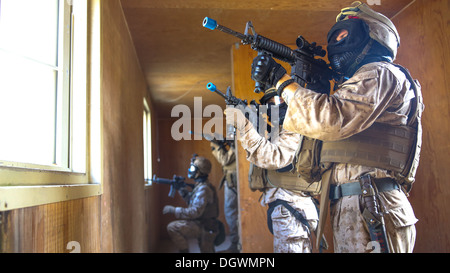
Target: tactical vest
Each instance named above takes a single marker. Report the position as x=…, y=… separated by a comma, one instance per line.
x=212, y=209
x=302, y=175
x=394, y=148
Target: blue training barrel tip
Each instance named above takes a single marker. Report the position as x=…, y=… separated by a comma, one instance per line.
x=209, y=23
x=211, y=86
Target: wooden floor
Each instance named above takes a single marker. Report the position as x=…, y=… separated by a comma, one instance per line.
x=166, y=246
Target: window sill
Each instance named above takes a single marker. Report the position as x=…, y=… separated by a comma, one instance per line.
x=15, y=197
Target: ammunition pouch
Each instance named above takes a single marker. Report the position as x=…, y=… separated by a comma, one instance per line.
x=292, y=181
x=307, y=159
x=261, y=179
x=256, y=178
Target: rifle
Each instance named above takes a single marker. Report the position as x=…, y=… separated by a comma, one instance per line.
x=216, y=139
x=306, y=69
x=176, y=183
x=229, y=98
x=253, y=112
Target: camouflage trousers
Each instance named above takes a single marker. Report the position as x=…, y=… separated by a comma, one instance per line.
x=350, y=231
x=180, y=231
x=289, y=235
x=231, y=214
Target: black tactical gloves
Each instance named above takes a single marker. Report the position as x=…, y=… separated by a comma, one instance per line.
x=266, y=70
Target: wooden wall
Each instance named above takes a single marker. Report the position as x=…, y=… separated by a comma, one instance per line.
x=425, y=51
x=123, y=90
x=255, y=236
x=124, y=217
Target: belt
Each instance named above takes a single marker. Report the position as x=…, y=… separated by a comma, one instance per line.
x=383, y=184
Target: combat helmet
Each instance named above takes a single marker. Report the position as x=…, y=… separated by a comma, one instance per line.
x=203, y=164
x=381, y=29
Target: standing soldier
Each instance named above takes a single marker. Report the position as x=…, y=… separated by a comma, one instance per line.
x=370, y=128
x=292, y=214
x=227, y=158
x=199, y=219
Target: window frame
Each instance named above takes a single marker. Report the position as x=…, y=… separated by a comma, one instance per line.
x=61, y=132
x=25, y=185
x=147, y=137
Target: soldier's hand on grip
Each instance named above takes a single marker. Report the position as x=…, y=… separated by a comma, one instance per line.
x=266, y=70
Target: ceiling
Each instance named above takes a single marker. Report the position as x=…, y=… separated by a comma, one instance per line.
x=179, y=56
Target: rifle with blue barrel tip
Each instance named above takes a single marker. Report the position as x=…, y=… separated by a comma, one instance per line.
x=229, y=98
x=176, y=183
x=307, y=70
x=251, y=110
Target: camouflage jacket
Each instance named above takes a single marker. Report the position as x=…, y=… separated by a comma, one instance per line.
x=202, y=203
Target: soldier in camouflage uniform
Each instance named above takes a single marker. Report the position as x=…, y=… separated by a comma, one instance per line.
x=373, y=96
x=227, y=158
x=199, y=219
x=290, y=235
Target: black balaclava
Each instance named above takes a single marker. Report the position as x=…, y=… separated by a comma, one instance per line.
x=343, y=54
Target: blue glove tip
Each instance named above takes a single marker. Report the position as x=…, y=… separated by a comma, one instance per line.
x=209, y=23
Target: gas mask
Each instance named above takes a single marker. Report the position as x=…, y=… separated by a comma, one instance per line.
x=346, y=54
x=192, y=171
x=199, y=168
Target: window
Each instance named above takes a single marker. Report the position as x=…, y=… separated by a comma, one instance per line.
x=147, y=127
x=34, y=54
x=44, y=96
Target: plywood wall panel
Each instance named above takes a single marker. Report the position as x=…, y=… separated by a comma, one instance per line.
x=425, y=51
x=255, y=236
x=50, y=228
